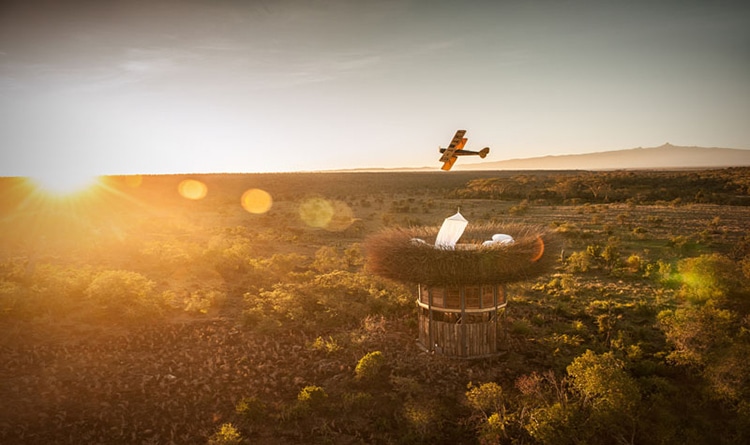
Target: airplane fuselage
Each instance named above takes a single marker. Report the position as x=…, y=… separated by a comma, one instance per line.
x=482, y=153
x=461, y=152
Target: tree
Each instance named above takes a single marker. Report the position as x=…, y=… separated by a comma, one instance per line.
x=711, y=277
x=488, y=399
x=608, y=391
x=709, y=333
x=696, y=333
x=598, y=186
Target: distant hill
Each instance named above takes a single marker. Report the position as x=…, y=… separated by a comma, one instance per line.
x=666, y=156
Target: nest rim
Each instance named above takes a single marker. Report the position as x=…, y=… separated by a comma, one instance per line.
x=393, y=254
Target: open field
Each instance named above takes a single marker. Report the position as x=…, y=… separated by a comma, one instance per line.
x=132, y=313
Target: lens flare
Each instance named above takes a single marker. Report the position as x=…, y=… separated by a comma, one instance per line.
x=256, y=201
x=316, y=212
x=343, y=216
x=334, y=216
x=192, y=189
x=539, y=250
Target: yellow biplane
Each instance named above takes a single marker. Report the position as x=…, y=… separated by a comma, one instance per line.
x=456, y=149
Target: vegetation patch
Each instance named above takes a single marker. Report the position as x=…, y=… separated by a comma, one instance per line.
x=140, y=316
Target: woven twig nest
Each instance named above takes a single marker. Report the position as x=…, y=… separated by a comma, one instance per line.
x=396, y=254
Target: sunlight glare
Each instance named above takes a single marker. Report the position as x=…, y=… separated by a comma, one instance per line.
x=192, y=189
x=256, y=201
x=134, y=181
x=64, y=182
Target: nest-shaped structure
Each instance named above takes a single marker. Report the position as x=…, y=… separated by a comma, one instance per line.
x=398, y=255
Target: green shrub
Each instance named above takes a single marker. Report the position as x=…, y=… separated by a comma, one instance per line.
x=489, y=402
x=226, y=435
x=201, y=301
x=312, y=397
x=603, y=382
x=696, y=333
x=555, y=424
x=521, y=327
x=708, y=277
x=634, y=263
x=11, y=297
x=579, y=262
x=423, y=418
x=519, y=209
x=325, y=301
x=123, y=293
x=358, y=400
x=251, y=408
x=611, y=255
x=328, y=259
x=486, y=398
x=55, y=290
x=369, y=366
x=328, y=345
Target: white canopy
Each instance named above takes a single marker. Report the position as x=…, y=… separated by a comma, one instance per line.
x=451, y=231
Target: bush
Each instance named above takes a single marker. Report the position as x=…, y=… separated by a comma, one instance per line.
x=123, y=293
x=10, y=297
x=579, y=262
x=328, y=259
x=201, y=301
x=323, y=302
x=696, y=333
x=227, y=435
x=329, y=345
x=709, y=277
x=602, y=382
x=56, y=290
x=250, y=407
x=634, y=263
x=370, y=366
x=423, y=419
x=521, y=327
x=312, y=397
x=487, y=398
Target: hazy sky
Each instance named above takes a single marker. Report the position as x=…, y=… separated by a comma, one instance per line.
x=152, y=86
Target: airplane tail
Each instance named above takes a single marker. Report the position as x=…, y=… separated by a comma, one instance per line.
x=484, y=152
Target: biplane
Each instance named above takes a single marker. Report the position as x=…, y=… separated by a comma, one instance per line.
x=456, y=149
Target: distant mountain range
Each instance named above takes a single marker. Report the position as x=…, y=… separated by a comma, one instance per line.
x=666, y=156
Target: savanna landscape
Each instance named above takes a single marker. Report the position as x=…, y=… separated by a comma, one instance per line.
x=239, y=309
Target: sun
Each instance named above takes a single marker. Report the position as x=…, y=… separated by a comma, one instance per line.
x=64, y=183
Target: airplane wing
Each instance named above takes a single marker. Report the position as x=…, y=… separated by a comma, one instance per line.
x=457, y=143
x=449, y=163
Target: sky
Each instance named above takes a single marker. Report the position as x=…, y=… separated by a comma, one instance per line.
x=155, y=87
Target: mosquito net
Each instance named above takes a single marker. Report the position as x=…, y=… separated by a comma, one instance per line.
x=451, y=231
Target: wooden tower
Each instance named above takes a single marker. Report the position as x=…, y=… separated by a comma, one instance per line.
x=460, y=321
